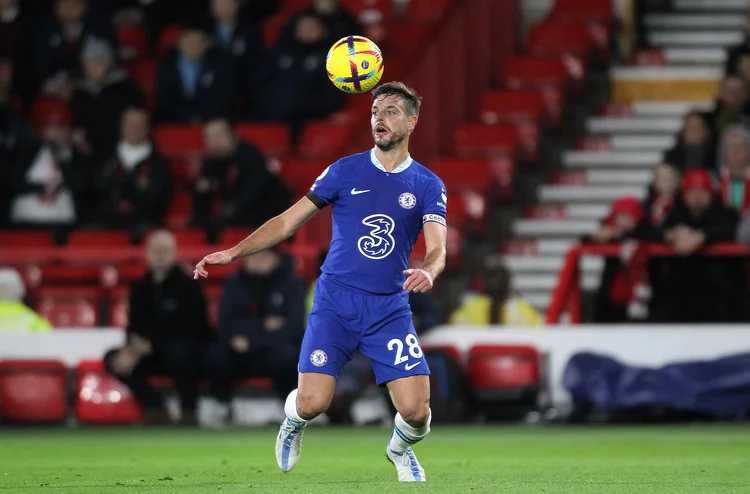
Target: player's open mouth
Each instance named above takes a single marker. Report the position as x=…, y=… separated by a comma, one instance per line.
x=380, y=130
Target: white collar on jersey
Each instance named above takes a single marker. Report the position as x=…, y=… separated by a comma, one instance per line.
x=403, y=166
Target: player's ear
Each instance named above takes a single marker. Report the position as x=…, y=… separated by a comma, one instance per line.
x=412, y=123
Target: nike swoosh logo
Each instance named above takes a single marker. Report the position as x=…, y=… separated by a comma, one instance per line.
x=356, y=192
x=411, y=366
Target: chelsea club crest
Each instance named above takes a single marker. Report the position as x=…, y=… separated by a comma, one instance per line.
x=318, y=358
x=407, y=200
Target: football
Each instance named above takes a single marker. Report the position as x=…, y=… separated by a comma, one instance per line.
x=354, y=64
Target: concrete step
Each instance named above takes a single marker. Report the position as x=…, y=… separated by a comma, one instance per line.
x=608, y=159
x=539, y=247
x=529, y=264
x=572, y=229
x=540, y=300
x=700, y=39
x=667, y=73
x=586, y=211
x=669, y=108
x=547, y=282
x=716, y=57
x=714, y=6
x=695, y=21
x=619, y=177
x=588, y=193
x=612, y=125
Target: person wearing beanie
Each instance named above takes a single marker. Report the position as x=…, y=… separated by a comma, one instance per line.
x=101, y=98
x=700, y=289
x=14, y=314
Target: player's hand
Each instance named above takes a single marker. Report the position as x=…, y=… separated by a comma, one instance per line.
x=222, y=258
x=418, y=281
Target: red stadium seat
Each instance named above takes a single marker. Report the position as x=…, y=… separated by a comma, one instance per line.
x=505, y=379
x=271, y=139
x=66, y=307
x=317, y=231
x=119, y=308
x=101, y=398
x=426, y=11
x=583, y=11
x=133, y=42
x=402, y=40
x=299, y=175
x=463, y=173
x=33, y=391
x=533, y=73
x=485, y=140
x=323, y=140
x=53, y=274
x=307, y=258
x=233, y=235
x=180, y=211
x=451, y=350
x=189, y=237
x=127, y=273
x=511, y=106
x=553, y=39
x=179, y=140
x=98, y=238
x=26, y=239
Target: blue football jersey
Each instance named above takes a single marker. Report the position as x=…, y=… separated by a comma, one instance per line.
x=377, y=218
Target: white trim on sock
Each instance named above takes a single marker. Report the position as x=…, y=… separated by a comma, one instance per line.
x=290, y=409
x=405, y=436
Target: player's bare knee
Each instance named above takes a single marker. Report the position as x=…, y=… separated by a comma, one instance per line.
x=310, y=405
x=417, y=413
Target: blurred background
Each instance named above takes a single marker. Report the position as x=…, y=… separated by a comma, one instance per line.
x=596, y=155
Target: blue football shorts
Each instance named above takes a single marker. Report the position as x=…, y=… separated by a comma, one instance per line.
x=380, y=326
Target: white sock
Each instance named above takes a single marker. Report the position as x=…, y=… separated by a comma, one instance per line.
x=405, y=436
x=290, y=409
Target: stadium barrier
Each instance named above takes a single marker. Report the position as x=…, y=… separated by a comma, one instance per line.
x=567, y=294
x=647, y=345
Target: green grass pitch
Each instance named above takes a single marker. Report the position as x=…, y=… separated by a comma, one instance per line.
x=691, y=459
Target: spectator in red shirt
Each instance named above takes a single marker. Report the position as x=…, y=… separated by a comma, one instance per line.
x=620, y=298
x=734, y=168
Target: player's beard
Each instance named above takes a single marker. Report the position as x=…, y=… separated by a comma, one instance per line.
x=390, y=143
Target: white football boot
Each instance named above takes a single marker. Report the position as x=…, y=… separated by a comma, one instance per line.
x=289, y=445
x=407, y=465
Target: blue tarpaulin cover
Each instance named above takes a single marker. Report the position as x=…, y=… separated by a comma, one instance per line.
x=720, y=387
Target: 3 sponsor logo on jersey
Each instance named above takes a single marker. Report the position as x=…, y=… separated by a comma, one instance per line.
x=407, y=200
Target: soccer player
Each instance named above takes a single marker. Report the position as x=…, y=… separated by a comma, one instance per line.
x=381, y=200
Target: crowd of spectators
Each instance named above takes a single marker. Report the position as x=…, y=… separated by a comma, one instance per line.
x=75, y=118
x=700, y=195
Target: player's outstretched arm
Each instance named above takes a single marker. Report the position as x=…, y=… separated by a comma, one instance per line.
x=273, y=232
x=422, y=280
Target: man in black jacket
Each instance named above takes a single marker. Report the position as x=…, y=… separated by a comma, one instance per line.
x=193, y=82
x=700, y=289
x=134, y=181
x=234, y=186
x=261, y=323
x=167, y=329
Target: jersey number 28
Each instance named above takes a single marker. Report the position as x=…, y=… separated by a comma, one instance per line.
x=413, y=345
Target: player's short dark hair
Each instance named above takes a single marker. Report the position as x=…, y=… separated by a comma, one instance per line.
x=412, y=101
